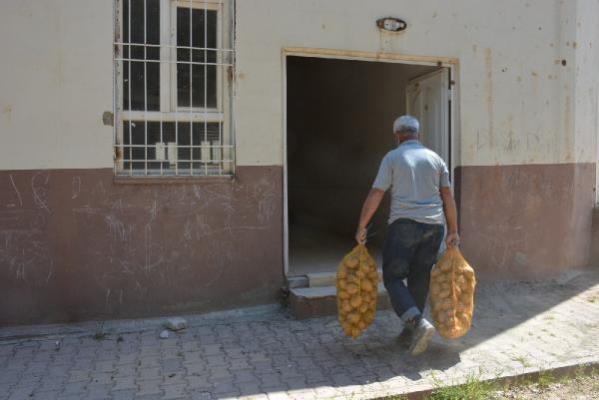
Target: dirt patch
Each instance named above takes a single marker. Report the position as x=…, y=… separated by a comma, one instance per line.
x=579, y=388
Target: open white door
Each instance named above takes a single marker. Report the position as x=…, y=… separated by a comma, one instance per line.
x=427, y=98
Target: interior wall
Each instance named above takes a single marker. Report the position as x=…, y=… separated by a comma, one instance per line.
x=340, y=117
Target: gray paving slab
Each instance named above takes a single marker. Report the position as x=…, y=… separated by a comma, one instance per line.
x=518, y=328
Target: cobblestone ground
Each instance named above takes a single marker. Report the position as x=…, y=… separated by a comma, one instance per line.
x=518, y=328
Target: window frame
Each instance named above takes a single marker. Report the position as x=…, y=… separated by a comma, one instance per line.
x=174, y=98
x=169, y=111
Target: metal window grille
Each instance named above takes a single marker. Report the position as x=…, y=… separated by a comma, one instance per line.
x=173, y=66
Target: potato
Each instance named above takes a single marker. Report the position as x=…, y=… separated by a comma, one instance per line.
x=352, y=288
x=352, y=262
x=341, y=272
x=354, y=279
x=346, y=306
x=367, y=286
x=468, y=290
x=356, y=301
x=353, y=318
x=463, y=317
x=463, y=307
x=446, y=304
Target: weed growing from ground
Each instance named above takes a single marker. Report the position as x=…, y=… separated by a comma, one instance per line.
x=545, y=379
x=473, y=389
x=522, y=360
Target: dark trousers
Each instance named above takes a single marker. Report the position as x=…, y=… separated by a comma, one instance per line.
x=410, y=251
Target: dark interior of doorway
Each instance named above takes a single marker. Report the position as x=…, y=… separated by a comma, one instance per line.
x=339, y=126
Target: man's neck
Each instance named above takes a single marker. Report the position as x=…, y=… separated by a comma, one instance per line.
x=407, y=139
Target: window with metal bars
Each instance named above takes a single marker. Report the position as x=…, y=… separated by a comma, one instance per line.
x=173, y=67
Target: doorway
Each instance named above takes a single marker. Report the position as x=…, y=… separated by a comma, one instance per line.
x=339, y=121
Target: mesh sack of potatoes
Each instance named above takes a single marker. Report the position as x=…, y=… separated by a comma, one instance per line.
x=357, y=291
x=452, y=294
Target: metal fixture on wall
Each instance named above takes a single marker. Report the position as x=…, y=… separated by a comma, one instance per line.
x=391, y=24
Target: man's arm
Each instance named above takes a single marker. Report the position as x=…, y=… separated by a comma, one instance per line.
x=451, y=215
x=371, y=204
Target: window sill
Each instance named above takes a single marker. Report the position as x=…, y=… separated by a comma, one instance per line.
x=171, y=180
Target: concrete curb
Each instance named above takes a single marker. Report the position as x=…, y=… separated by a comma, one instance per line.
x=530, y=375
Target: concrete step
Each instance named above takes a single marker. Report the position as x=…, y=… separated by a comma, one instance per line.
x=319, y=301
x=320, y=279
x=297, y=281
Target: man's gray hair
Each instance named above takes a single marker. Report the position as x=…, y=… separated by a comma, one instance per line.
x=407, y=125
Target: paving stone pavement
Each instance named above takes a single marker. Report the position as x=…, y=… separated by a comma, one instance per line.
x=518, y=327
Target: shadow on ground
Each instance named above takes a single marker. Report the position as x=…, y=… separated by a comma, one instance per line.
x=325, y=358
x=514, y=323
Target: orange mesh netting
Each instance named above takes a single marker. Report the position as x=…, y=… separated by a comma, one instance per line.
x=452, y=294
x=357, y=291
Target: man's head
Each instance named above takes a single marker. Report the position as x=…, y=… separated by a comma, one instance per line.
x=406, y=127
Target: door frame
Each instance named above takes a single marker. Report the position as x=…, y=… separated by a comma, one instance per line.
x=452, y=64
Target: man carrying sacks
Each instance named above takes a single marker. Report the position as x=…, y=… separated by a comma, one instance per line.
x=421, y=202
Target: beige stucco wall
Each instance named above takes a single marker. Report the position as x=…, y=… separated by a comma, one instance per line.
x=55, y=83
x=518, y=103
x=517, y=100
x=585, y=52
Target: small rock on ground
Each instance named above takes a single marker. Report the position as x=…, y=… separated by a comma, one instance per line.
x=175, y=324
